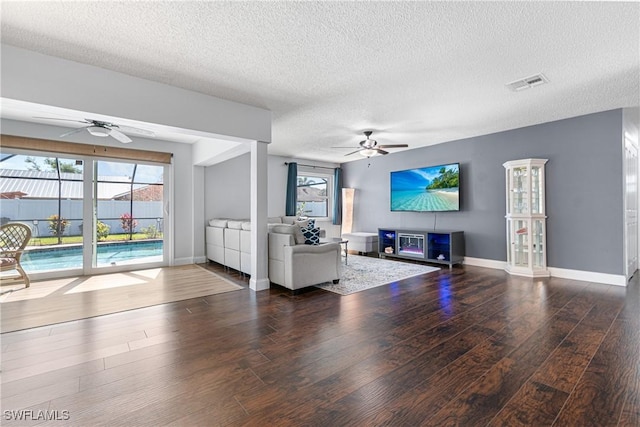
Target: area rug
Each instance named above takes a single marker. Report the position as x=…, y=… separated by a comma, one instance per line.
x=61, y=300
x=364, y=273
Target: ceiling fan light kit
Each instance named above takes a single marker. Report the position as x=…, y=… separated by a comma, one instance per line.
x=370, y=148
x=368, y=152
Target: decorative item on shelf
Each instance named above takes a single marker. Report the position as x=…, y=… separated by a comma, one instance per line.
x=440, y=257
x=300, y=212
x=388, y=250
x=522, y=230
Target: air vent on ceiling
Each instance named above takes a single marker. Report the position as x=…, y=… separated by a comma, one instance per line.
x=527, y=82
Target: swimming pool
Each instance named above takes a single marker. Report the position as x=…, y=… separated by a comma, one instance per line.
x=58, y=258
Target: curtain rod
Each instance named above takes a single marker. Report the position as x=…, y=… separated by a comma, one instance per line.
x=310, y=166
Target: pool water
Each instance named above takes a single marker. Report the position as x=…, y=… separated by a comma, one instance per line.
x=47, y=259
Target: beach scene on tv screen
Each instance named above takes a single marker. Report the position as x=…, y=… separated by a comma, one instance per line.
x=426, y=189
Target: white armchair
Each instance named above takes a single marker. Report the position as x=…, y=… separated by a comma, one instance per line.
x=296, y=266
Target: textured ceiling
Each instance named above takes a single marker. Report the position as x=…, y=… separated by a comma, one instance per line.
x=418, y=73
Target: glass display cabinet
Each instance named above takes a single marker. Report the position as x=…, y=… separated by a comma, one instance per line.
x=526, y=218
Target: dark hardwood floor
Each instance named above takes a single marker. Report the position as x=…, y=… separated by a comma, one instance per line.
x=467, y=347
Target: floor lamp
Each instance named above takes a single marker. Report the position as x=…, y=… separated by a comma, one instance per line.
x=347, y=209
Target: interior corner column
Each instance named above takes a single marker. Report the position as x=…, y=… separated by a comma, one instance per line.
x=259, y=199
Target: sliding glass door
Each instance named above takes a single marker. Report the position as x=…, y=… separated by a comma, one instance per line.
x=129, y=207
x=86, y=214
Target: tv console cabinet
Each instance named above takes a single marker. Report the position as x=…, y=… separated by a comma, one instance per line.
x=435, y=246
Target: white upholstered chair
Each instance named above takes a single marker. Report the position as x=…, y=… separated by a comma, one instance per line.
x=295, y=265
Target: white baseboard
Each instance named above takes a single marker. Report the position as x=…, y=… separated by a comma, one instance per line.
x=200, y=259
x=589, y=276
x=183, y=261
x=563, y=273
x=488, y=263
x=259, y=285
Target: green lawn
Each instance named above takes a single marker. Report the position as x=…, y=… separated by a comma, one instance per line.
x=51, y=240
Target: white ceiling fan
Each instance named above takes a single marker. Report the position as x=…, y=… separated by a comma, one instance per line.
x=104, y=129
x=369, y=147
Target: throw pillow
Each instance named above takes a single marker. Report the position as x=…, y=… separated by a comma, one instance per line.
x=283, y=229
x=306, y=223
x=311, y=236
x=293, y=230
x=299, y=234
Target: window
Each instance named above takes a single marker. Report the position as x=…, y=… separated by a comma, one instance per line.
x=44, y=192
x=314, y=194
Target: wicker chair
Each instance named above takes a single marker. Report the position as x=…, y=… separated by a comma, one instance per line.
x=13, y=239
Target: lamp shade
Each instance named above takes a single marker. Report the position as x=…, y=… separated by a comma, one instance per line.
x=347, y=209
x=368, y=152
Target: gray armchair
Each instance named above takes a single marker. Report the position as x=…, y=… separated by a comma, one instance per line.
x=296, y=266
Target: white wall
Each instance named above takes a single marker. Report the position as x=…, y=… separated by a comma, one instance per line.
x=630, y=132
x=227, y=187
x=42, y=79
x=228, y=184
x=198, y=215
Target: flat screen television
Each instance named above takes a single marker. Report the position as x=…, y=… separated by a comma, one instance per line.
x=428, y=189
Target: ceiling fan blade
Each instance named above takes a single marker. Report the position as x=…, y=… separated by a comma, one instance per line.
x=353, y=152
x=120, y=136
x=63, y=120
x=138, y=131
x=382, y=151
x=393, y=146
x=71, y=132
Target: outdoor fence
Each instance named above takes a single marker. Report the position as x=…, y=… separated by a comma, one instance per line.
x=35, y=213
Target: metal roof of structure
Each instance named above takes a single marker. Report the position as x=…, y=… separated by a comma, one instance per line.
x=44, y=185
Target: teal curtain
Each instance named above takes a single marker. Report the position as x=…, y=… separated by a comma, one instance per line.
x=292, y=189
x=337, y=196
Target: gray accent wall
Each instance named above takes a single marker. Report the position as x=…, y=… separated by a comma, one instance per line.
x=583, y=185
